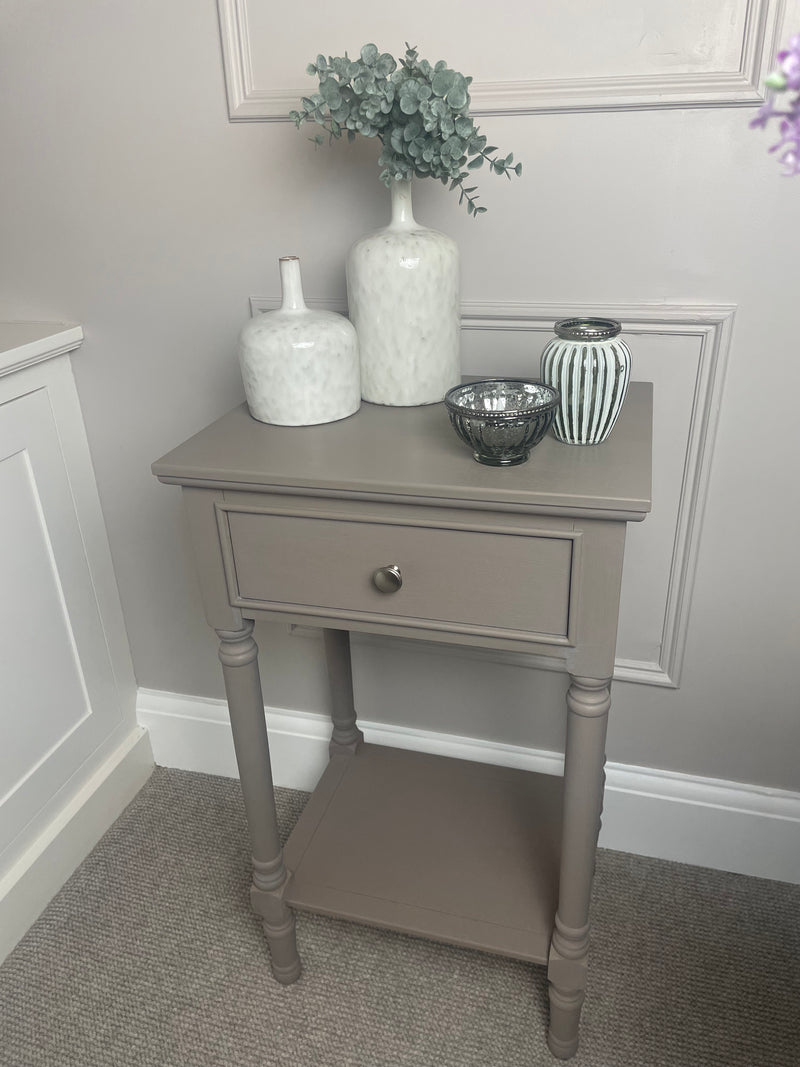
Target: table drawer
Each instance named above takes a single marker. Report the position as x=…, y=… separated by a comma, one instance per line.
x=481, y=578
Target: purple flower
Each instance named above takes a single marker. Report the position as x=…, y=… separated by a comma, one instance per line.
x=763, y=115
x=790, y=63
x=790, y=142
x=787, y=78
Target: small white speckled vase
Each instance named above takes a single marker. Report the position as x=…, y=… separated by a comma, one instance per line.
x=402, y=288
x=299, y=366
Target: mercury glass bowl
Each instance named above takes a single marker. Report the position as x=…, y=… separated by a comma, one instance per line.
x=501, y=419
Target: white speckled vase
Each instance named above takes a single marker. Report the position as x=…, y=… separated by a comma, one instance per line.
x=299, y=366
x=590, y=366
x=402, y=288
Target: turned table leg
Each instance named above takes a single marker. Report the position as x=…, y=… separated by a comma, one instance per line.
x=346, y=736
x=238, y=654
x=588, y=701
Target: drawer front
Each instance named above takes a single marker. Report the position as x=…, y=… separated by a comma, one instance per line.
x=480, y=579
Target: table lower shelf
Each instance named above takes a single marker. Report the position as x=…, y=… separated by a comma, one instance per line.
x=441, y=848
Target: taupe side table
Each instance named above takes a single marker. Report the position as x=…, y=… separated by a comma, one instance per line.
x=384, y=523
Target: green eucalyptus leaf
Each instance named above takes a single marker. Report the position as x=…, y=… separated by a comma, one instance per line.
x=442, y=82
x=408, y=104
x=476, y=163
x=329, y=91
x=412, y=129
x=457, y=97
x=369, y=53
x=464, y=127
x=385, y=65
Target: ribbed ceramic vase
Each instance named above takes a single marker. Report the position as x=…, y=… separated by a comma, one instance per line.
x=403, y=295
x=299, y=366
x=590, y=366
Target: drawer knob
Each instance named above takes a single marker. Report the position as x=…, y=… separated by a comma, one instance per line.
x=388, y=579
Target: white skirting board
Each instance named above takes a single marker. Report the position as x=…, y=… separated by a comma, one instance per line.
x=31, y=882
x=706, y=822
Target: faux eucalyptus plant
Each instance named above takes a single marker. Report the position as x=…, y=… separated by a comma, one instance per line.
x=419, y=112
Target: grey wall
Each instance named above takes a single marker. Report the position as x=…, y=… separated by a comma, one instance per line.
x=131, y=204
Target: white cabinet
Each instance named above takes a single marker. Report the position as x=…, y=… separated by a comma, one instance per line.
x=71, y=754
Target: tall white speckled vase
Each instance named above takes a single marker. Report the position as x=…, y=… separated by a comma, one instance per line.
x=299, y=366
x=403, y=295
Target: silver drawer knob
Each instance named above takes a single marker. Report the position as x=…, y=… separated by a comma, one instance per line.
x=388, y=579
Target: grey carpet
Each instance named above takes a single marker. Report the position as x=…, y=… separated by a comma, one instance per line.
x=150, y=957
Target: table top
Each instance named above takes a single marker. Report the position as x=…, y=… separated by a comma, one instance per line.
x=414, y=452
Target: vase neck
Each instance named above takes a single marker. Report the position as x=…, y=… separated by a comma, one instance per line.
x=291, y=284
x=402, y=214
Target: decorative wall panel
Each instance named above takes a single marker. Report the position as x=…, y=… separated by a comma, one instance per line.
x=529, y=58
x=66, y=682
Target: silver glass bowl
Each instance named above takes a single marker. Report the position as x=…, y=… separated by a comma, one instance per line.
x=501, y=419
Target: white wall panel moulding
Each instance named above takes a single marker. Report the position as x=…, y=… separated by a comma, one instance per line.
x=23, y=344
x=692, y=53
x=69, y=748
x=707, y=822
x=683, y=350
